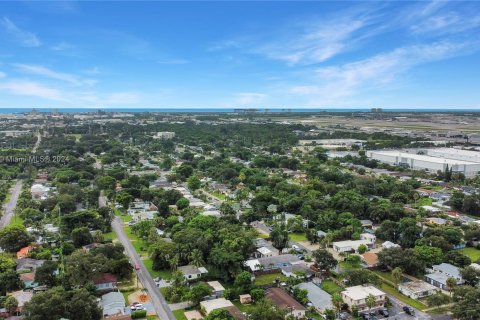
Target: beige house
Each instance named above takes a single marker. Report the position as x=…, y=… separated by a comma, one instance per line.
x=357, y=296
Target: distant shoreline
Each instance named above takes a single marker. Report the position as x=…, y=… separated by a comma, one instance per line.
x=228, y=110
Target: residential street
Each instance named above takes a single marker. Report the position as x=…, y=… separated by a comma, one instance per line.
x=11, y=205
x=158, y=301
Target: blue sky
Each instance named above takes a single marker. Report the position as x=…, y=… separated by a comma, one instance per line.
x=225, y=54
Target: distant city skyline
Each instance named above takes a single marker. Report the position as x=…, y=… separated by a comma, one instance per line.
x=275, y=55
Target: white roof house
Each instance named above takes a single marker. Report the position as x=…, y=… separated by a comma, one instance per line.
x=389, y=244
x=113, y=303
x=350, y=245
x=210, y=305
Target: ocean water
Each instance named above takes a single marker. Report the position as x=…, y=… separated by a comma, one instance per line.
x=221, y=110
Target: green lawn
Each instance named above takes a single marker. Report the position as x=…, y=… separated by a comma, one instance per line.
x=297, y=237
x=265, y=279
x=110, y=236
x=348, y=265
x=164, y=274
x=242, y=307
x=472, y=253
x=313, y=315
x=179, y=314
x=139, y=244
x=331, y=287
x=126, y=217
x=414, y=303
x=219, y=195
x=385, y=275
x=424, y=202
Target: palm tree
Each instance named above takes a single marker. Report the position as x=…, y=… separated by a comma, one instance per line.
x=451, y=283
x=174, y=261
x=370, y=301
x=337, y=302
x=196, y=258
x=397, y=276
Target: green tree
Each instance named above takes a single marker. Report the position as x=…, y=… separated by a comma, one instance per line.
x=81, y=237
x=466, y=306
x=257, y=294
x=56, y=303
x=11, y=304
x=199, y=292
x=397, y=276
x=182, y=203
x=265, y=310
x=193, y=183
x=337, y=302
x=362, y=249
x=219, y=314
x=9, y=281
x=45, y=274
x=301, y=295
x=196, y=258
x=124, y=199
x=430, y=255
x=243, y=281
x=370, y=301
x=324, y=259
x=451, y=284
x=470, y=275
x=106, y=183
x=14, y=237
x=438, y=299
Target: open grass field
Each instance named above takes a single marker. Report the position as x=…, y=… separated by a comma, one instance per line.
x=472, y=253
x=179, y=314
x=164, y=274
x=331, y=287
x=297, y=237
x=269, y=279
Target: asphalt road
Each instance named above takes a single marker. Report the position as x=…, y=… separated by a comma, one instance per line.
x=158, y=301
x=11, y=205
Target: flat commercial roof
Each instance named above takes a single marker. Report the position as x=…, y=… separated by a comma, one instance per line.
x=422, y=157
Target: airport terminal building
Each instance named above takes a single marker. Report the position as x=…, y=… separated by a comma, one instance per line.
x=432, y=160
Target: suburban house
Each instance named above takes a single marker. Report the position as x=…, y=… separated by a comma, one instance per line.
x=22, y=298
x=272, y=263
x=191, y=272
x=389, y=244
x=113, y=306
x=264, y=252
x=356, y=296
x=193, y=315
x=283, y=300
x=217, y=288
x=300, y=270
x=28, y=280
x=350, y=245
x=417, y=289
x=28, y=264
x=320, y=299
x=23, y=253
x=106, y=282
x=245, y=298
x=208, y=306
x=371, y=238
x=370, y=259
x=441, y=273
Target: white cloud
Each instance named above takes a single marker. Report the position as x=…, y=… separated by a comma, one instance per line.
x=122, y=98
x=333, y=84
x=49, y=73
x=249, y=98
x=173, y=61
x=62, y=46
x=34, y=89
x=25, y=38
x=320, y=42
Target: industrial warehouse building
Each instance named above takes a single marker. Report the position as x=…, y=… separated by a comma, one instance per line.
x=437, y=159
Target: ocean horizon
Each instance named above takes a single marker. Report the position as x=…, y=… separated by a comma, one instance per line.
x=228, y=110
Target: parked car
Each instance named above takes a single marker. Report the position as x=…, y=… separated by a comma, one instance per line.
x=137, y=267
x=344, y=316
x=384, y=312
x=409, y=310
